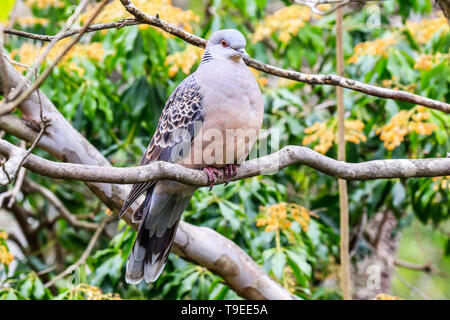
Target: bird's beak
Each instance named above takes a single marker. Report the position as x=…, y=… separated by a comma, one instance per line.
x=243, y=53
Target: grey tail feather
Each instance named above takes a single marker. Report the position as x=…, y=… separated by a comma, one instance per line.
x=152, y=245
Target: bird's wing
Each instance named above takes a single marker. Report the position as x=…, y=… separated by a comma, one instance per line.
x=180, y=120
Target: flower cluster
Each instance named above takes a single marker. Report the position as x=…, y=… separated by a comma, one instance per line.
x=28, y=53
x=422, y=31
x=285, y=21
x=3, y=235
x=377, y=47
x=395, y=84
x=324, y=134
x=164, y=8
x=441, y=183
x=92, y=293
x=403, y=123
x=43, y=4
x=31, y=21
x=279, y=217
x=427, y=61
x=183, y=60
x=5, y=256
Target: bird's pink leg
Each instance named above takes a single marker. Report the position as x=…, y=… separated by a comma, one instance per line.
x=230, y=170
x=211, y=172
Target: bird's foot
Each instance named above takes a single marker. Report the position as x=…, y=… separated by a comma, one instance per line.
x=230, y=170
x=211, y=172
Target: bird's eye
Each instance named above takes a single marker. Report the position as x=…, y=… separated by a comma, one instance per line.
x=224, y=43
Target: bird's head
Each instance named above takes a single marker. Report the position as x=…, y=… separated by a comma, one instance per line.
x=227, y=44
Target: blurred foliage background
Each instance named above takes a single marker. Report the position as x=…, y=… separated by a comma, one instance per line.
x=113, y=85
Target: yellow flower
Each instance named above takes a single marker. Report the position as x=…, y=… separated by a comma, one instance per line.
x=427, y=61
x=6, y=257
x=286, y=22
x=164, y=8
x=372, y=48
x=384, y=296
x=43, y=4
x=422, y=31
x=259, y=78
x=93, y=293
x=279, y=217
x=31, y=21
x=442, y=183
x=28, y=53
x=403, y=123
x=183, y=60
x=324, y=134
x=3, y=235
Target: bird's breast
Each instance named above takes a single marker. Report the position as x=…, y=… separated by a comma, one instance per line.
x=232, y=119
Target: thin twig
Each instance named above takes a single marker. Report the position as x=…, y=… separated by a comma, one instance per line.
x=14, y=62
x=83, y=257
x=32, y=187
x=93, y=28
x=313, y=6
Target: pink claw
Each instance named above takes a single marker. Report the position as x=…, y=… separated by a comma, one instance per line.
x=230, y=170
x=211, y=172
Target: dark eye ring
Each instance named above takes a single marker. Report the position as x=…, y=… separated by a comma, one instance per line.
x=224, y=43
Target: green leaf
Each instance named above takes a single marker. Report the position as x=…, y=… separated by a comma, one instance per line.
x=39, y=289
x=398, y=195
x=11, y=295
x=25, y=288
x=300, y=260
x=277, y=264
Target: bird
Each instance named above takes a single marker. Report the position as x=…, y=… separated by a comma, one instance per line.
x=210, y=122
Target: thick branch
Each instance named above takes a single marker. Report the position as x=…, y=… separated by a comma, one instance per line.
x=376, y=169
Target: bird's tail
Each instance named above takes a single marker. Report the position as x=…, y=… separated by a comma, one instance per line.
x=161, y=214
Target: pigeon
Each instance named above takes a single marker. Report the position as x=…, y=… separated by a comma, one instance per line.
x=210, y=122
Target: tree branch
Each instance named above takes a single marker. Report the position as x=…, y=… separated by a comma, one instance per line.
x=375, y=169
x=32, y=187
x=92, y=28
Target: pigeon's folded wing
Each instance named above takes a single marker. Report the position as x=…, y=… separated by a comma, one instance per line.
x=180, y=120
